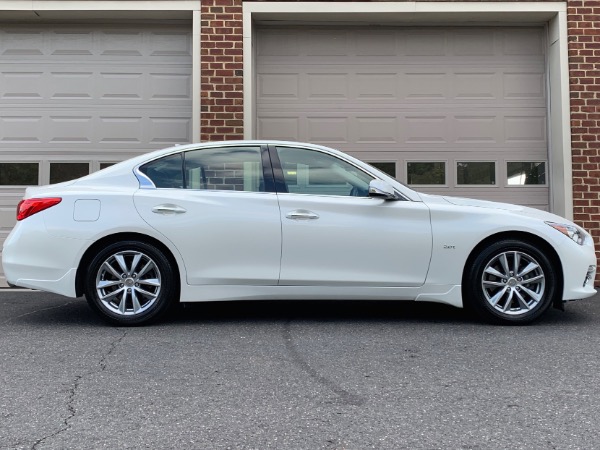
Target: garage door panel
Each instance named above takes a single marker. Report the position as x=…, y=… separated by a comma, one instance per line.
x=486, y=129
x=458, y=85
x=279, y=128
x=143, y=85
x=375, y=43
x=414, y=45
x=523, y=42
x=93, y=128
x=105, y=41
x=468, y=98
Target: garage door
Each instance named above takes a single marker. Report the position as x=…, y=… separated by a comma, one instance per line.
x=75, y=98
x=455, y=111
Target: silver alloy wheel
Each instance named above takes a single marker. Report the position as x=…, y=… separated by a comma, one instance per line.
x=128, y=283
x=513, y=283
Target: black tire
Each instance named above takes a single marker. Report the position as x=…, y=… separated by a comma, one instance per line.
x=130, y=283
x=510, y=282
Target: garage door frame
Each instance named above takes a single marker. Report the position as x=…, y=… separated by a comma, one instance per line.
x=551, y=14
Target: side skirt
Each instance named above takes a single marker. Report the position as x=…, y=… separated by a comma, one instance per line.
x=447, y=294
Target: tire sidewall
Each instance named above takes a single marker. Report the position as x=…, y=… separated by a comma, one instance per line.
x=164, y=300
x=475, y=297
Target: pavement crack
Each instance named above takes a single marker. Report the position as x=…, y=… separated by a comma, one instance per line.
x=72, y=391
x=111, y=349
x=297, y=358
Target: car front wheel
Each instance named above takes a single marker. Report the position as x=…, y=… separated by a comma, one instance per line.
x=130, y=283
x=510, y=282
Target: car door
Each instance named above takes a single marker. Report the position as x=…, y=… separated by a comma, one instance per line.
x=333, y=233
x=217, y=206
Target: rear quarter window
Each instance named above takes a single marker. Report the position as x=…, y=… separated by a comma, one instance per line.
x=165, y=172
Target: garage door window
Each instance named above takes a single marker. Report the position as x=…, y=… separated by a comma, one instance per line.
x=428, y=173
x=521, y=173
x=19, y=174
x=60, y=172
x=386, y=167
x=476, y=173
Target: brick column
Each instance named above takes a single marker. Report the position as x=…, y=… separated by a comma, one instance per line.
x=583, y=18
x=222, y=76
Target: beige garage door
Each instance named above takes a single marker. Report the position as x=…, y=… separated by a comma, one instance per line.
x=74, y=98
x=455, y=111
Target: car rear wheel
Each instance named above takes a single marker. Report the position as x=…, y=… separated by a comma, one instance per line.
x=130, y=283
x=511, y=282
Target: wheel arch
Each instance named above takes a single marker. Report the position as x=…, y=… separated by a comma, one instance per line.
x=118, y=237
x=532, y=239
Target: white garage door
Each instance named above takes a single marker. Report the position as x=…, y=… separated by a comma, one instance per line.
x=456, y=111
x=74, y=98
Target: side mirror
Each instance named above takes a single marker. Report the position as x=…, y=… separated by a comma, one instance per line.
x=379, y=188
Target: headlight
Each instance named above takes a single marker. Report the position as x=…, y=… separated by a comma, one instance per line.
x=574, y=233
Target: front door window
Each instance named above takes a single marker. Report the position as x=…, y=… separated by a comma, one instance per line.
x=312, y=172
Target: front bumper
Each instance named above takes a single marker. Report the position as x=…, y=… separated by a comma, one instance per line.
x=579, y=269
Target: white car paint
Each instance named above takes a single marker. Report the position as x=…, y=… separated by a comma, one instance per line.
x=209, y=237
x=344, y=247
x=242, y=245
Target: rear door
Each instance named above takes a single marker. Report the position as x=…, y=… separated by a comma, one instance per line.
x=218, y=207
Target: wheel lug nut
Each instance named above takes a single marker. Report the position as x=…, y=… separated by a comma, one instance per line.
x=121, y=285
x=504, y=280
x=137, y=284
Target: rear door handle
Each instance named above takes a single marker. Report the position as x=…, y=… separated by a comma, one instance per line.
x=168, y=208
x=302, y=214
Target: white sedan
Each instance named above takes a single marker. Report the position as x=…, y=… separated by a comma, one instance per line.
x=284, y=220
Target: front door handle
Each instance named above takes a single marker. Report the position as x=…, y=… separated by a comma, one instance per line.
x=168, y=208
x=302, y=214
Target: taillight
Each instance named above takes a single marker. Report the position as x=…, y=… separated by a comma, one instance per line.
x=31, y=206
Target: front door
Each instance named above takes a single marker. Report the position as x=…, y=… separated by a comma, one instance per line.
x=333, y=233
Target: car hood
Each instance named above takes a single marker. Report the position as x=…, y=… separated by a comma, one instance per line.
x=509, y=208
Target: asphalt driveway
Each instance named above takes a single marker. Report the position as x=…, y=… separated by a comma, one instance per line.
x=296, y=375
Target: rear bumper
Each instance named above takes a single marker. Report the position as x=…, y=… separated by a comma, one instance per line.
x=32, y=258
x=65, y=285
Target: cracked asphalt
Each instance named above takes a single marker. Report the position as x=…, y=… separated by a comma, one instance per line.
x=296, y=375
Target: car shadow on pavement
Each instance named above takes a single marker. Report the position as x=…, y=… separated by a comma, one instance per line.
x=48, y=309
x=348, y=311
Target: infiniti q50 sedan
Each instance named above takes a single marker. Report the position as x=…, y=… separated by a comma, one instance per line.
x=283, y=220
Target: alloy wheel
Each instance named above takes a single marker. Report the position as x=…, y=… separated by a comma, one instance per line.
x=128, y=283
x=513, y=283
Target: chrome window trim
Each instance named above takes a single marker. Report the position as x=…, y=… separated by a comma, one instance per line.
x=145, y=182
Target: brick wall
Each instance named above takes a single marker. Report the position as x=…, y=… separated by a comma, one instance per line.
x=583, y=18
x=222, y=95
